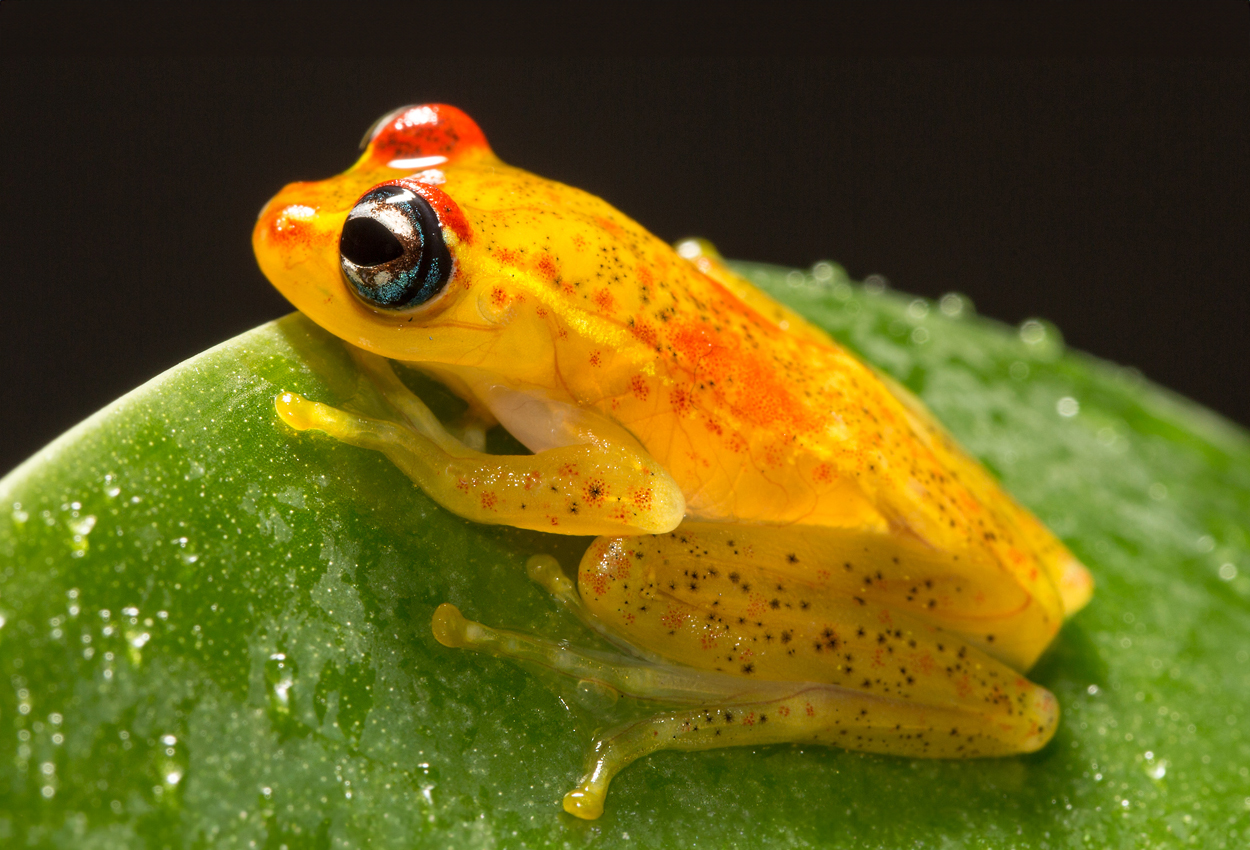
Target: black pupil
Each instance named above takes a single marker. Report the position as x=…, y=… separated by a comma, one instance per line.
x=367, y=242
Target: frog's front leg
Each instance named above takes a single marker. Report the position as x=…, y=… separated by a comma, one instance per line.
x=586, y=488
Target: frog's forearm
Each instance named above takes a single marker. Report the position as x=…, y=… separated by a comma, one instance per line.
x=580, y=489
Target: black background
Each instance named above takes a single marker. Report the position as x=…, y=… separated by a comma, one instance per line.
x=1088, y=167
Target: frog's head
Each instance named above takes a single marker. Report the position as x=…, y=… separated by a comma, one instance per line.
x=429, y=247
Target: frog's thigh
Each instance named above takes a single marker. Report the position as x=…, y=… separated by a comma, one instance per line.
x=577, y=489
x=671, y=596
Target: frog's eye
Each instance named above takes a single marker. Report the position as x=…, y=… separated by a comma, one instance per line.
x=392, y=249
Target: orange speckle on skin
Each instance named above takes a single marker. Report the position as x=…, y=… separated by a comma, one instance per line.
x=568, y=470
x=884, y=616
x=811, y=712
x=541, y=312
x=645, y=332
x=489, y=500
x=749, y=720
x=499, y=297
x=823, y=474
x=784, y=710
x=681, y=401
x=547, y=267
x=641, y=498
x=638, y=386
x=507, y=256
x=674, y=617
x=532, y=479
x=595, y=359
x=595, y=492
x=604, y=300
x=463, y=485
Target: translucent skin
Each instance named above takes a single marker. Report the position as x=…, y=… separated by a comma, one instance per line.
x=777, y=518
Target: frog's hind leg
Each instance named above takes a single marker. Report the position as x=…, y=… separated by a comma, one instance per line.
x=720, y=710
x=795, y=712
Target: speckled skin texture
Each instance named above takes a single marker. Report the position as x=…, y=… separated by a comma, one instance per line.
x=793, y=533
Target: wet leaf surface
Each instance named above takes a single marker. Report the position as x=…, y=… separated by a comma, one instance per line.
x=215, y=632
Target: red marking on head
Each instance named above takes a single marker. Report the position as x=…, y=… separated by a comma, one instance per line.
x=604, y=300
x=290, y=227
x=447, y=210
x=639, y=387
x=434, y=129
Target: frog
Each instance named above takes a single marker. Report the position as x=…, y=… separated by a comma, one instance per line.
x=788, y=547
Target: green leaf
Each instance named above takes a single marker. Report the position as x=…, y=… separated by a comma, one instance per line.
x=216, y=632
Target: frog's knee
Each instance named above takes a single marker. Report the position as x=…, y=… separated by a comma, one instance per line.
x=1043, y=715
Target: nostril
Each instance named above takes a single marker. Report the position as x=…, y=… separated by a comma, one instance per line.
x=367, y=242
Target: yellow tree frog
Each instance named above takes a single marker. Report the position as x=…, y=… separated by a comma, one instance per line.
x=789, y=548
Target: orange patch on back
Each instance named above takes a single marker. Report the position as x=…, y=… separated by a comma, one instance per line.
x=753, y=388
